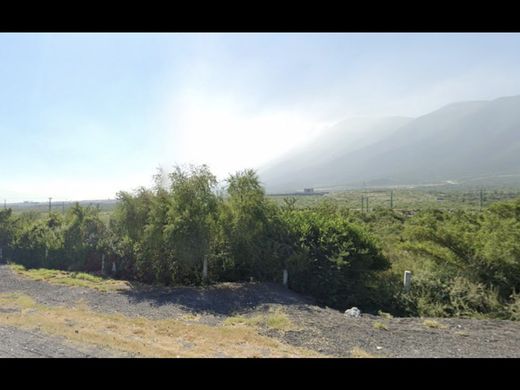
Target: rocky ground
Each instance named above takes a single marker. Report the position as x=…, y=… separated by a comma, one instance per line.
x=320, y=329
x=17, y=343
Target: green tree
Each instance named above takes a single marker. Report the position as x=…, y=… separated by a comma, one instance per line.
x=334, y=260
x=247, y=224
x=6, y=231
x=191, y=217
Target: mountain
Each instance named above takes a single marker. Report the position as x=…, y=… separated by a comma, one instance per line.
x=301, y=167
x=458, y=142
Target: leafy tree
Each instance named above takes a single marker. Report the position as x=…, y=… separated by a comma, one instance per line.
x=191, y=218
x=247, y=222
x=6, y=230
x=131, y=214
x=39, y=244
x=153, y=262
x=334, y=260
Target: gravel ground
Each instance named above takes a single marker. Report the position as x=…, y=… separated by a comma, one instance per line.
x=328, y=331
x=17, y=343
x=322, y=329
x=215, y=303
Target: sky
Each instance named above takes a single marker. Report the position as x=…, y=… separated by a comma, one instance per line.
x=83, y=116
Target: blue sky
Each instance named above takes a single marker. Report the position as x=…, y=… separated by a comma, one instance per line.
x=85, y=115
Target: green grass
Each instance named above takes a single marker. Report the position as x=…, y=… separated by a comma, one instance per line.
x=74, y=279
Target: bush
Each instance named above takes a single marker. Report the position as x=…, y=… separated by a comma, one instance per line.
x=334, y=260
x=466, y=263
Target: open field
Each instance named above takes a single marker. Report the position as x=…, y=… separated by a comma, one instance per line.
x=438, y=197
x=411, y=198
x=226, y=320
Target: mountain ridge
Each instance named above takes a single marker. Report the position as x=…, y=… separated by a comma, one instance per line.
x=459, y=140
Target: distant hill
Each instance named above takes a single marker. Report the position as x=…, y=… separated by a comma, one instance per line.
x=302, y=167
x=459, y=142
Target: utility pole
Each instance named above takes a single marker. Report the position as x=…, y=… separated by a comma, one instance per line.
x=364, y=203
x=366, y=194
x=391, y=200
x=50, y=205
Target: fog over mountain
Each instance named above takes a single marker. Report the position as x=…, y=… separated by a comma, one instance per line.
x=457, y=142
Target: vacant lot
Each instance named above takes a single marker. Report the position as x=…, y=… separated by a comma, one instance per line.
x=49, y=318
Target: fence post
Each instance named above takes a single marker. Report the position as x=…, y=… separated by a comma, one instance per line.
x=407, y=282
x=103, y=263
x=205, y=268
x=285, y=277
x=113, y=267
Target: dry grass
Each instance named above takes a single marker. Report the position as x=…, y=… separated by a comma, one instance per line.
x=75, y=279
x=379, y=325
x=191, y=317
x=275, y=319
x=361, y=353
x=434, y=324
x=384, y=315
x=141, y=336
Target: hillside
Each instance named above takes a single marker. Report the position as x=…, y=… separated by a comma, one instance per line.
x=458, y=142
x=291, y=171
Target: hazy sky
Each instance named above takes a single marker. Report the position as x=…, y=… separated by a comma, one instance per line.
x=85, y=115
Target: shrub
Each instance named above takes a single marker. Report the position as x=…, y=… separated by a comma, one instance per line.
x=333, y=260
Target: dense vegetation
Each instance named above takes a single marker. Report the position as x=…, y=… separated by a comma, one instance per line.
x=182, y=231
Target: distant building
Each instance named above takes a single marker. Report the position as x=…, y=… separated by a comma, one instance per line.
x=306, y=191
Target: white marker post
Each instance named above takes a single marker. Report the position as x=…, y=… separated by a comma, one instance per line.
x=113, y=267
x=205, y=269
x=285, y=277
x=46, y=253
x=407, y=282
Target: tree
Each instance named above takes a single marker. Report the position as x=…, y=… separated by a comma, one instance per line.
x=6, y=231
x=190, y=221
x=333, y=260
x=247, y=208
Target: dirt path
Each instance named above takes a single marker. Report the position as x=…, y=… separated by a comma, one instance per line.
x=324, y=330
